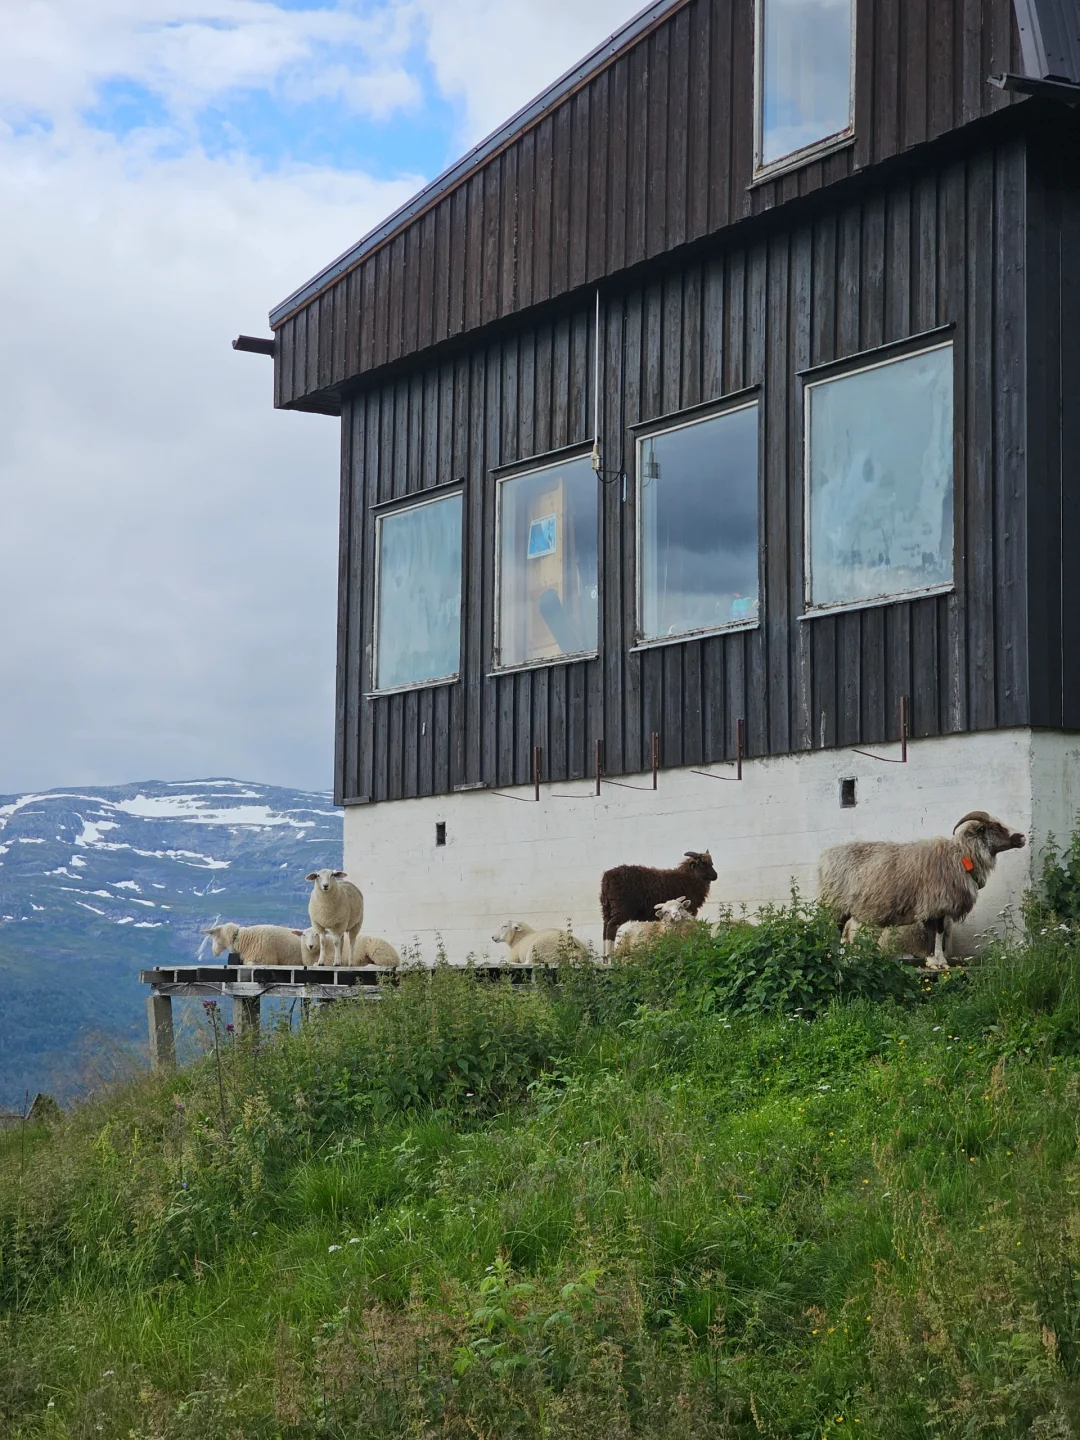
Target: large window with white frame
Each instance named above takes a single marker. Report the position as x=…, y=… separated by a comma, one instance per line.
x=804, y=78
x=546, y=605
x=698, y=550
x=879, y=481
x=418, y=594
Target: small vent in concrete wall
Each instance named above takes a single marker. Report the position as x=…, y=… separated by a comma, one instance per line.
x=847, y=794
x=440, y=832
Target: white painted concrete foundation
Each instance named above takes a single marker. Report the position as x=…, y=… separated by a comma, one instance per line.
x=542, y=862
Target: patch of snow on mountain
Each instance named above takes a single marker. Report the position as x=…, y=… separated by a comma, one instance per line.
x=78, y=862
x=194, y=809
x=89, y=907
x=92, y=829
x=29, y=840
x=126, y=885
x=149, y=924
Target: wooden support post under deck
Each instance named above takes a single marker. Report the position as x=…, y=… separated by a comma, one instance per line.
x=246, y=1014
x=159, y=1018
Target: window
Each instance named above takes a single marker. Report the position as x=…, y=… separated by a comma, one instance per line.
x=698, y=525
x=418, y=586
x=804, y=76
x=879, y=481
x=546, y=606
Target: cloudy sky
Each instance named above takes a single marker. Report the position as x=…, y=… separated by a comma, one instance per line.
x=169, y=171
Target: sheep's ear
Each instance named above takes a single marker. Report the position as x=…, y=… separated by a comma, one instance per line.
x=210, y=932
x=340, y=874
x=313, y=876
x=298, y=932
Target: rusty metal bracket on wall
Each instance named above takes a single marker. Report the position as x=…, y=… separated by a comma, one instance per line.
x=739, y=752
x=905, y=730
x=525, y=800
x=625, y=785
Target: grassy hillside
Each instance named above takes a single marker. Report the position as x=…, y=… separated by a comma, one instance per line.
x=746, y=1186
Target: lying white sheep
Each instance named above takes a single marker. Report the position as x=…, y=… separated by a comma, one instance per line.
x=670, y=915
x=257, y=944
x=366, y=950
x=539, y=947
x=336, y=909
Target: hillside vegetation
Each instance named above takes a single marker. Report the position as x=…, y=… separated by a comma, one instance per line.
x=747, y=1185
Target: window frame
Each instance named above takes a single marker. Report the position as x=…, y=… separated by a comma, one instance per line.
x=940, y=338
x=387, y=509
x=750, y=395
x=795, y=159
x=533, y=465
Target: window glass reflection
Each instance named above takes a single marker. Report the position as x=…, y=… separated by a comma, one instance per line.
x=698, y=499
x=805, y=74
x=547, y=602
x=880, y=459
x=419, y=600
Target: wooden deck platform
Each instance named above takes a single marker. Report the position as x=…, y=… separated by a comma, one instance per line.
x=246, y=985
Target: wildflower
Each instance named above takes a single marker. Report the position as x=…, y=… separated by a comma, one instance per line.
x=51, y=1405
x=355, y=1240
x=333, y=1248
x=183, y=1184
x=228, y=1029
x=106, y=1373
x=179, y=1104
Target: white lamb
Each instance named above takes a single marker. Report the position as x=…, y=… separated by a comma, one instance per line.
x=336, y=909
x=670, y=915
x=257, y=944
x=539, y=947
x=366, y=950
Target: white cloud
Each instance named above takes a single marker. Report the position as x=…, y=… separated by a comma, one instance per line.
x=167, y=541
x=495, y=55
x=56, y=54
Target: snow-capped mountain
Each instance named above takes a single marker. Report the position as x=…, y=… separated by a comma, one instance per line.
x=99, y=883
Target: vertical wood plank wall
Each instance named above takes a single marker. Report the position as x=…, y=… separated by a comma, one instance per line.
x=943, y=246
x=654, y=151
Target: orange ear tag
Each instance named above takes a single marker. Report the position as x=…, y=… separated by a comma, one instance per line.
x=967, y=862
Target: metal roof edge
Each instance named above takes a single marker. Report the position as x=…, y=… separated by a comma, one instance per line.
x=594, y=61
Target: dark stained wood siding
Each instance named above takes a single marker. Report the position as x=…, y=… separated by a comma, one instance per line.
x=654, y=151
x=1052, y=346
x=944, y=246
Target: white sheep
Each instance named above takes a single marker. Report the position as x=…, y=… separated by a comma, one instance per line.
x=366, y=950
x=336, y=909
x=538, y=947
x=670, y=915
x=257, y=944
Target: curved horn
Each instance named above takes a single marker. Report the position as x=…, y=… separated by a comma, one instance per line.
x=692, y=854
x=971, y=815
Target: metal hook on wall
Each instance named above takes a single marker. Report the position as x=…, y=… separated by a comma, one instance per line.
x=739, y=752
x=905, y=730
x=525, y=800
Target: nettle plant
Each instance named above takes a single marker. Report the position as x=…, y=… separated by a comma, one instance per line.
x=1058, y=898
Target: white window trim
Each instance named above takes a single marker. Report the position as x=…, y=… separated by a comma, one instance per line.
x=794, y=159
x=386, y=514
x=716, y=411
x=889, y=597
x=519, y=472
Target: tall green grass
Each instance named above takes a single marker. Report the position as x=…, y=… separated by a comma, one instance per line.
x=746, y=1184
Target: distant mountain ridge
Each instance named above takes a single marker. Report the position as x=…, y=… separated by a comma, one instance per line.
x=99, y=882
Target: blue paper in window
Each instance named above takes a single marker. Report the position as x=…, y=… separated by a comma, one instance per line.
x=542, y=537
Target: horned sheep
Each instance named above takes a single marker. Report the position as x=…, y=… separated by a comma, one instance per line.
x=932, y=883
x=257, y=944
x=336, y=909
x=544, y=947
x=632, y=892
x=366, y=950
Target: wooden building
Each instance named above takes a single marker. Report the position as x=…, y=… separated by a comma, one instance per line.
x=715, y=417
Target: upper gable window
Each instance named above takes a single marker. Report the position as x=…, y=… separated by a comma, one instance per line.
x=805, y=77
x=418, y=594
x=546, y=603
x=879, y=482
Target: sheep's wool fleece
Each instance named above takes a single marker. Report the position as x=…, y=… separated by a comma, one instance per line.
x=884, y=882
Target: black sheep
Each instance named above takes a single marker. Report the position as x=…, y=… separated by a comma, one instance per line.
x=630, y=892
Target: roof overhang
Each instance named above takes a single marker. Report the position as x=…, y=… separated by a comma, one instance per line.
x=528, y=116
